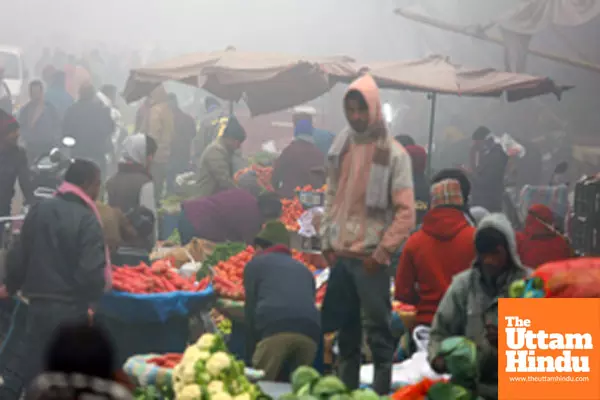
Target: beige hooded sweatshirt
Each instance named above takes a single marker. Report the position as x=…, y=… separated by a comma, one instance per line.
x=348, y=227
x=159, y=124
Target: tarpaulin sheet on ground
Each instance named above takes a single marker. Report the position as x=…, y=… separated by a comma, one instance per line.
x=268, y=82
x=155, y=307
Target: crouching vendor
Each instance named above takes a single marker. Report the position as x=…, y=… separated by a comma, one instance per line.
x=282, y=321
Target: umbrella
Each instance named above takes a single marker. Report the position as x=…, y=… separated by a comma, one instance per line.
x=268, y=82
x=437, y=75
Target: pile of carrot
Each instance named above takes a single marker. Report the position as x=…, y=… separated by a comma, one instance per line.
x=158, y=278
x=169, y=360
x=263, y=174
x=228, y=280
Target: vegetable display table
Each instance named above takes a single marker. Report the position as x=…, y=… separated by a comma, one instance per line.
x=150, y=323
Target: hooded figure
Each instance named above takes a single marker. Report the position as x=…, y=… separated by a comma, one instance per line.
x=132, y=188
x=296, y=165
x=540, y=243
x=369, y=212
x=160, y=126
x=463, y=309
x=433, y=255
x=418, y=157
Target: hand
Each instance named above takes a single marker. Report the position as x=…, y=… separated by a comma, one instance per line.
x=371, y=265
x=491, y=334
x=438, y=364
x=330, y=257
x=3, y=292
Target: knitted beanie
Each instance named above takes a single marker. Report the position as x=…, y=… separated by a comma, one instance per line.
x=234, y=130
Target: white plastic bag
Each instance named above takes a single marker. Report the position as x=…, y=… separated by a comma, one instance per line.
x=410, y=371
x=305, y=221
x=511, y=147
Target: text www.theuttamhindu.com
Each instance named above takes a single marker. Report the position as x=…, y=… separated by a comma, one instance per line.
x=548, y=379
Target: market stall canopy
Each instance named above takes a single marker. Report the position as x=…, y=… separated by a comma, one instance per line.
x=268, y=82
x=436, y=74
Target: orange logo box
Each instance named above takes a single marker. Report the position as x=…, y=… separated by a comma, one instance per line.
x=549, y=349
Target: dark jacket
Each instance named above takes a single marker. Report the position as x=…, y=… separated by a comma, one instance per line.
x=488, y=177
x=5, y=98
x=185, y=132
x=43, y=133
x=60, y=253
x=280, y=297
x=296, y=167
x=13, y=165
x=422, y=195
x=90, y=124
x=232, y=215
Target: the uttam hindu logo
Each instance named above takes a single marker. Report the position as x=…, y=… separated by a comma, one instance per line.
x=549, y=349
x=525, y=344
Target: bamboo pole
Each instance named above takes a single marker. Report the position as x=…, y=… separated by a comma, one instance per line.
x=481, y=35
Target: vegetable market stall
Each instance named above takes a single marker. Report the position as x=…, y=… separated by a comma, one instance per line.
x=149, y=308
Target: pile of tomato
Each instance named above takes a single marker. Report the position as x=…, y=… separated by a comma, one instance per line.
x=228, y=280
x=291, y=211
x=160, y=277
x=264, y=175
x=169, y=360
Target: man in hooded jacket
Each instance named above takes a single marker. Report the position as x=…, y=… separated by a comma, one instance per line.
x=442, y=248
x=369, y=212
x=463, y=309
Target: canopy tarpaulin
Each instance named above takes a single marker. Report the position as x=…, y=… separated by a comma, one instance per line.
x=268, y=82
x=436, y=74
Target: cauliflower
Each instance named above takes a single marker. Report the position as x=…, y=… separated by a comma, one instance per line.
x=191, y=355
x=215, y=387
x=243, y=396
x=206, y=341
x=220, y=396
x=217, y=363
x=189, y=373
x=190, y=392
x=203, y=355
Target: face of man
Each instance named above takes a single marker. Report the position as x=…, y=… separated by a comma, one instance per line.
x=232, y=144
x=357, y=115
x=12, y=139
x=494, y=263
x=36, y=93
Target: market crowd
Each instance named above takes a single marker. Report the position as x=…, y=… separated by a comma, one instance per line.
x=443, y=241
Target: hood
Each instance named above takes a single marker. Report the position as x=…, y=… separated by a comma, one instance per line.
x=478, y=213
x=418, y=156
x=444, y=223
x=536, y=216
x=502, y=224
x=134, y=149
x=159, y=95
x=368, y=88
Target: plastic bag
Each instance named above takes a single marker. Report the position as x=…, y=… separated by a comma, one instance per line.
x=511, y=147
x=574, y=278
x=416, y=391
x=307, y=229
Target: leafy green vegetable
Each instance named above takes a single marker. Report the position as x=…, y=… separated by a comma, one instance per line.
x=449, y=391
x=460, y=355
x=302, y=376
x=329, y=386
x=364, y=394
x=222, y=252
x=174, y=238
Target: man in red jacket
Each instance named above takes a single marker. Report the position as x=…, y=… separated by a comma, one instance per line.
x=442, y=248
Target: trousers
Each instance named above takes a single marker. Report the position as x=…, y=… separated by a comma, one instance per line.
x=290, y=350
x=371, y=292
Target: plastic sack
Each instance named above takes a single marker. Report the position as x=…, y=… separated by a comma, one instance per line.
x=412, y=370
x=573, y=278
x=416, y=391
x=511, y=147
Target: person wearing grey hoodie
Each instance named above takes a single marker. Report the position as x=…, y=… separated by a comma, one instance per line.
x=472, y=293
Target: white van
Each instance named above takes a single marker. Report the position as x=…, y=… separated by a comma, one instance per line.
x=15, y=75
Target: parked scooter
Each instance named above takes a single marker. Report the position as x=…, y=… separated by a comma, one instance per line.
x=49, y=170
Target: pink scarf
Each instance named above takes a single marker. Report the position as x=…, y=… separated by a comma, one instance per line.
x=67, y=187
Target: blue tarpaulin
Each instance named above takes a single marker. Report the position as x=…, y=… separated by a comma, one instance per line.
x=155, y=307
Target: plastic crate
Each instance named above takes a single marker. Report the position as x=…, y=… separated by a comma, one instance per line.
x=585, y=236
x=587, y=199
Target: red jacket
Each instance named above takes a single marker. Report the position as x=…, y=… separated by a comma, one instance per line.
x=442, y=248
x=537, y=244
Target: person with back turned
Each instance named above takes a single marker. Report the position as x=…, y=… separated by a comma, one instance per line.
x=61, y=265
